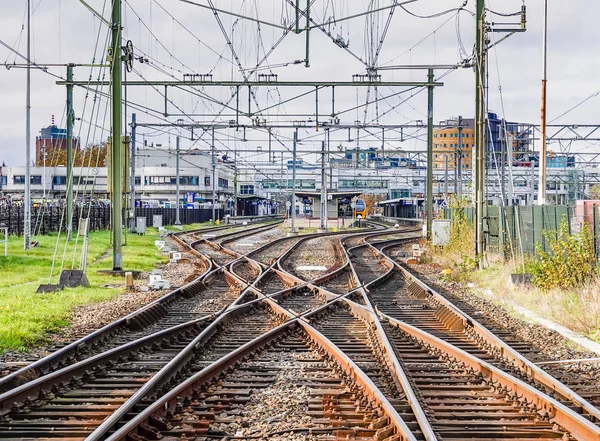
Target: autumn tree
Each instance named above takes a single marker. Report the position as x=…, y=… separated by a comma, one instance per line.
x=94, y=155
x=372, y=199
x=594, y=192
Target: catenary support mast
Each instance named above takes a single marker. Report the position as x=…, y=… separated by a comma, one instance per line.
x=480, y=118
x=429, y=153
x=117, y=179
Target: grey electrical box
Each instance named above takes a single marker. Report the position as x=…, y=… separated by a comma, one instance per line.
x=140, y=225
x=157, y=220
x=441, y=232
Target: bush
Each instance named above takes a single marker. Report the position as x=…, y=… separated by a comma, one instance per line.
x=461, y=231
x=571, y=262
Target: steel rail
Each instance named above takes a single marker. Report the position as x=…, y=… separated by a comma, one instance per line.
x=169, y=371
x=393, y=363
x=573, y=422
x=565, y=418
x=124, y=408
x=457, y=317
x=146, y=314
x=159, y=406
x=33, y=388
x=150, y=311
x=576, y=424
x=360, y=377
x=21, y=393
x=176, y=364
x=228, y=237
x=27, y=390
x=258, y=269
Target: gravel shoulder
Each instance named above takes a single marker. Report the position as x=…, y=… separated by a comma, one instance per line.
x=319, y=252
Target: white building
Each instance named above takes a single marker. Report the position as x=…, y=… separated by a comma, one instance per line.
x=155, y=179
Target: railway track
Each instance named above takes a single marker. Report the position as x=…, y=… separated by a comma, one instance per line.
x=474, y=343
x=410, y=305
x=246, y=270
x=182, y=306
x=294, y=297
x=365, y=351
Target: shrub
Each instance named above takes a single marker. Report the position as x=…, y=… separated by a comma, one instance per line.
x=461, y=231
x=570, y=263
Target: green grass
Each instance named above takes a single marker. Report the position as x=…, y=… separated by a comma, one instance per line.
x=27, y=318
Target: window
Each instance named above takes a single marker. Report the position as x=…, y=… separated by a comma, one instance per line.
x=59, y=180
x=36, y=180
x=207, y=181
x=18, y=179
x=2, y=180
x=82, y=180
x=223, y=183
x=246, y=189
x=188, y=180
x=138, y=180
x=445, y=135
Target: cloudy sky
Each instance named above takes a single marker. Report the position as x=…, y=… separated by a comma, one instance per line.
x=179, y=38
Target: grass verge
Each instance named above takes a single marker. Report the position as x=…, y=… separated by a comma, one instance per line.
x=27, y=318
x=575, y=308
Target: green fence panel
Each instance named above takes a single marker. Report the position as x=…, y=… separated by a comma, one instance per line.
x=520, y=228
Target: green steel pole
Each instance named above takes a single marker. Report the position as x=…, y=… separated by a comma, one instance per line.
x=235, y=176
x=306, y=61
x=297, y=16
x=429, y=154
x=70, y=122
x=27, y=196
x=132, y=179
x=293, y=229
x=480, y=144
x=117, y=179
x=177, y=195
x=214, y=177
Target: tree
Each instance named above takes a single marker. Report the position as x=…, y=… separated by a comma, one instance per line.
x=94, y=155
x=594, y=192
x=371, y=199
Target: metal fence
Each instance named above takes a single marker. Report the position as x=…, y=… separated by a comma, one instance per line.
x=522, y=228
x=186, y=216
x=51, y=219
